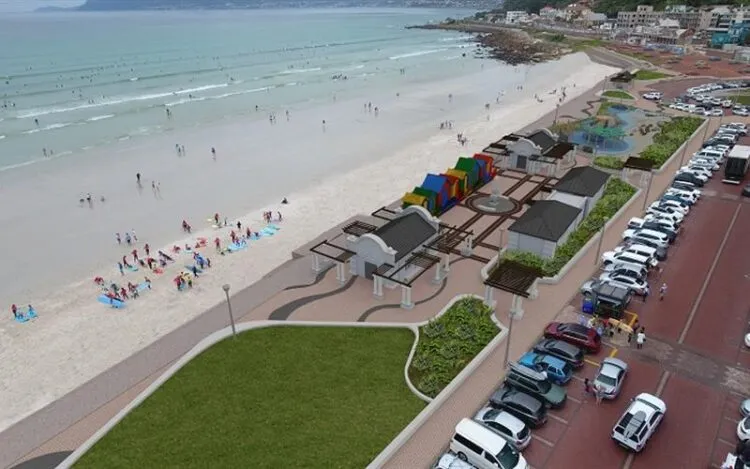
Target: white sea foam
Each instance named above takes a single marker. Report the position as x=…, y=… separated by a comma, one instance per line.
x=219, y=96
x=114, y=101
x=134, y=79
x=2, y=137
x=300, y=70
x=99, y=118
x=459, y=38
x=416, y=53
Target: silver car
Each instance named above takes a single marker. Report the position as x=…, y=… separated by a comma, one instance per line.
x=505, y=425
x=610, y=377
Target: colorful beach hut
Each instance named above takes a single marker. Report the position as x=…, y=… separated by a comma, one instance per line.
x=454, y=190
x=471, y=167
x=463, y=180
x=440, y=186
x=430, y=198
x=489, y=164
x=411, y=198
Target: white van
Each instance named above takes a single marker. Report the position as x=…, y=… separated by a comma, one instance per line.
x=712, y=154
x=483, y=448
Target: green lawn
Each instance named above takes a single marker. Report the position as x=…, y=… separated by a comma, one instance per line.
x=280, y=397
x=650, y=75
x=617, y=94
x=743, y=99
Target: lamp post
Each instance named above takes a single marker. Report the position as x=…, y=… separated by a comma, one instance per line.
x=557, y=109
x=225, y=287
x=601, y=239
x=648, y=189
x=513, y=314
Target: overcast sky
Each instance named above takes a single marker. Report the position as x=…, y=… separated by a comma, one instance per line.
x=16, y=6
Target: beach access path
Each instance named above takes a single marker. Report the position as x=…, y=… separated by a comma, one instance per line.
x=66, y=423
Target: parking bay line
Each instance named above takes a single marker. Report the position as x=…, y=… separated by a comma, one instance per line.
x=698, y=300
x=613, y=352
x=659, y=389
x=543, y=441
x=591, y=362
x=559, y=419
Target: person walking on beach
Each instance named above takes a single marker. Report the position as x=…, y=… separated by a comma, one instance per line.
x=120, y=268
x=147, y=248
x=598, y=394
x=182, y=149
x=217, y=243
x=14, y=310
x=128, y=240
x=662, y=291
x=117, y=237
x=153, y=187
x=213, y=153
x=324, y=125
x=178, y=149
x=132, y=233
x=134, y=252
x=138, y=179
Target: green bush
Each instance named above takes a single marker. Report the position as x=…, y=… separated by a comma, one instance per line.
x=615, y=196
x=610, y=162
x=671, y=135
x=617, y=94
x=650, y=75
x=447, y=344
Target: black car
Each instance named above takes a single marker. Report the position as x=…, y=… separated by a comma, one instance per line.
x=530, y=410
x=656, y=226
x=746, y=191
x=682, y=185
x=661, y=251
x=562, y=350
x=718, y=141
x=687, y=177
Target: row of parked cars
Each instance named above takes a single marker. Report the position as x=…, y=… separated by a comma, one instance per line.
x=499, y=431
x=699, y=100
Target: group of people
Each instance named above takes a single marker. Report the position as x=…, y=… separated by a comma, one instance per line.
x=130, y=238
x=18, y=314
x=268, y=216
x=122, y=293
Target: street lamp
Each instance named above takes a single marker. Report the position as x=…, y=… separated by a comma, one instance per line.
x=651, y=178
x=557, y=109
x=229, y=307
x=601, y=239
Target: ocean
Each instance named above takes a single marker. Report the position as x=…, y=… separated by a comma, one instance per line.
x=76, y=81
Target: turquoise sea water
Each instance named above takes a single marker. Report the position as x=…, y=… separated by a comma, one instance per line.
x=75, y=81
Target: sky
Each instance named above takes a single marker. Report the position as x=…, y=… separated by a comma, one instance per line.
x=17, y=6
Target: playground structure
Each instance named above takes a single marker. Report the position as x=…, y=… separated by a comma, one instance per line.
x=440, y=192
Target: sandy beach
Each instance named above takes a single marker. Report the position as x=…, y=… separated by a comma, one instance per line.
x=354, y=164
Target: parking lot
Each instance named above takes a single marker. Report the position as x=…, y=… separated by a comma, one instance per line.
x=694, y=357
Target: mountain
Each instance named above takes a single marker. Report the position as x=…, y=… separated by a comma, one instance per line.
x=109, y=5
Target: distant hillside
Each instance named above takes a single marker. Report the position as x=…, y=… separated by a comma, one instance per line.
x=102, y=5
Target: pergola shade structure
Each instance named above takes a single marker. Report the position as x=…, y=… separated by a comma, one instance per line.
x=384, y=213
x=359, y=228
x=642, y=165
x=515, y=278
x=337, y=254
x=449, y=238
x=386, y=272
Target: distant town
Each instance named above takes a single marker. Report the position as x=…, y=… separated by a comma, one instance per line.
x=107, y=5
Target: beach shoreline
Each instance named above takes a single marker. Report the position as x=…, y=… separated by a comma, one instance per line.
x=76, y=340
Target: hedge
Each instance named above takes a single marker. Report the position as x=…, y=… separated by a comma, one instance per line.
x=671, y=135
x=609, y=162
x=615, y=196
x=447, y=344
x=617, y=94
x=650, y=75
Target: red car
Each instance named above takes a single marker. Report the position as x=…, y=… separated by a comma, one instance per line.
x=576, y=334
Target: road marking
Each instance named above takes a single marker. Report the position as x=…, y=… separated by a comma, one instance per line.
x=733, y=420
x=574, y=400
x=659, y=389
x=613, y=352
x=542, y=440
x=633, y=318
x=578, y=378
x=722, y=440
x=591, y=362
x=559, y=419
x=697, y=303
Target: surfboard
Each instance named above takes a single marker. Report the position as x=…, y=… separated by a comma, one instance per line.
x=141, y=287
x=30, y=314
x=268, y=231
x=236, y=246
x=132, y=268
x=111, y=301
x=273, y=227
x=21, y=318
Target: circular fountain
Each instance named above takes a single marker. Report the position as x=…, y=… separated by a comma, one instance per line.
x=493, y=204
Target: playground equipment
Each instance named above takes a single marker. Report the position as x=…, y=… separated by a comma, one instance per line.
x=440, y=192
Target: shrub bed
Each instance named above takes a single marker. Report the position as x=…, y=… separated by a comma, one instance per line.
x=617, y=94
x=616, y=195
x=671, y=135
x=650, y=75
x=447, y=344
x=610, y=162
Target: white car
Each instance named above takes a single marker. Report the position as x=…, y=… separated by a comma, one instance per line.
x=670, y=208
x=653, y=96
x=639, y=422
x=683, y=195
x=699, y=160
x=716, y=112
x=741, y=112
x=743, y=429
x=629, y=283
x=697, y=170
x=506, y=425
x=451, y=461
x=727, y=103
x=655, y=237
x=676, y=205
x=685, y=188
x=661, y=211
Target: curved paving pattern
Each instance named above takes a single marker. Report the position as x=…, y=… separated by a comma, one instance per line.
x=590, y=106
x=363, y=317
x=283, y=312
x=321, y=275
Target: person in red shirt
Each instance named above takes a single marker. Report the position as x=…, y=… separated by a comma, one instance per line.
x=217, y=243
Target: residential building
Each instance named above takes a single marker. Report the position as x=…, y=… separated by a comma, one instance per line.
x=644, y=15
x=515, y=17
x=539, y=152
x=543, y=227
x=551, y=13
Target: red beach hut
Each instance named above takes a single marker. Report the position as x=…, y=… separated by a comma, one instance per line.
x=491, y=170
x=456, y=191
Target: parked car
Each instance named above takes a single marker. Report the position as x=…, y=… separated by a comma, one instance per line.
x=653, y=96
x=696, y=170
x=743, y=429
x=638, y=249
x=680, y=207
x=654, y=236
x=483, y=448
x=452, y=461
x=581, y=336
x=657, y=209
x=679, y=196
x=535, y=384
x=700, y=177
x=746, y=191
x=557, y=370
x=661, y=251
x=562, y=350
x=663, y=225
x=638, y=286
x=614, y=257
x=506, y=425
x=639, y=422
x=745, y=408
x=610, y=376
x=527, y=408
